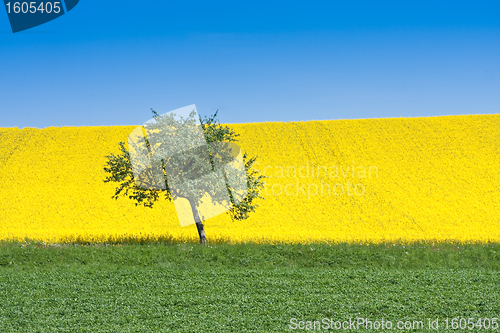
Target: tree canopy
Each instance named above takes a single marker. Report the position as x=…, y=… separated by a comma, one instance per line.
x=186, y=157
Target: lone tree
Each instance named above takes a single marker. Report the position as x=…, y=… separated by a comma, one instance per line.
x=177, y=163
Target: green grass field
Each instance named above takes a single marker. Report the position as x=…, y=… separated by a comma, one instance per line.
x=242, y=288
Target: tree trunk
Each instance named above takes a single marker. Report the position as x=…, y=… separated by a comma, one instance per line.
x=199, y=225
x=201, y=233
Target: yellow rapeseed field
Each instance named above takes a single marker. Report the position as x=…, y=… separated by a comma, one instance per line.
x=368, y=180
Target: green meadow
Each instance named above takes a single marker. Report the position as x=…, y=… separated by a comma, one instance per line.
x=246, y=287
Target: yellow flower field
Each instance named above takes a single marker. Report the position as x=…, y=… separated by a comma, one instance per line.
x=368, y=180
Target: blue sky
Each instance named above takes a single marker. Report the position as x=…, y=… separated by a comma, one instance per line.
x=109, y=62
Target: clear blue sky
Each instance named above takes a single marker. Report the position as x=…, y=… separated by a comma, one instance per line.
x=109, y=62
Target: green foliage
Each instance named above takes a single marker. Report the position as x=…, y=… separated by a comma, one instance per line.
x=186, y=167
x=120, y=169
x=255, y=184
x=39, y=255
x=215, y=132
x=240, y=288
